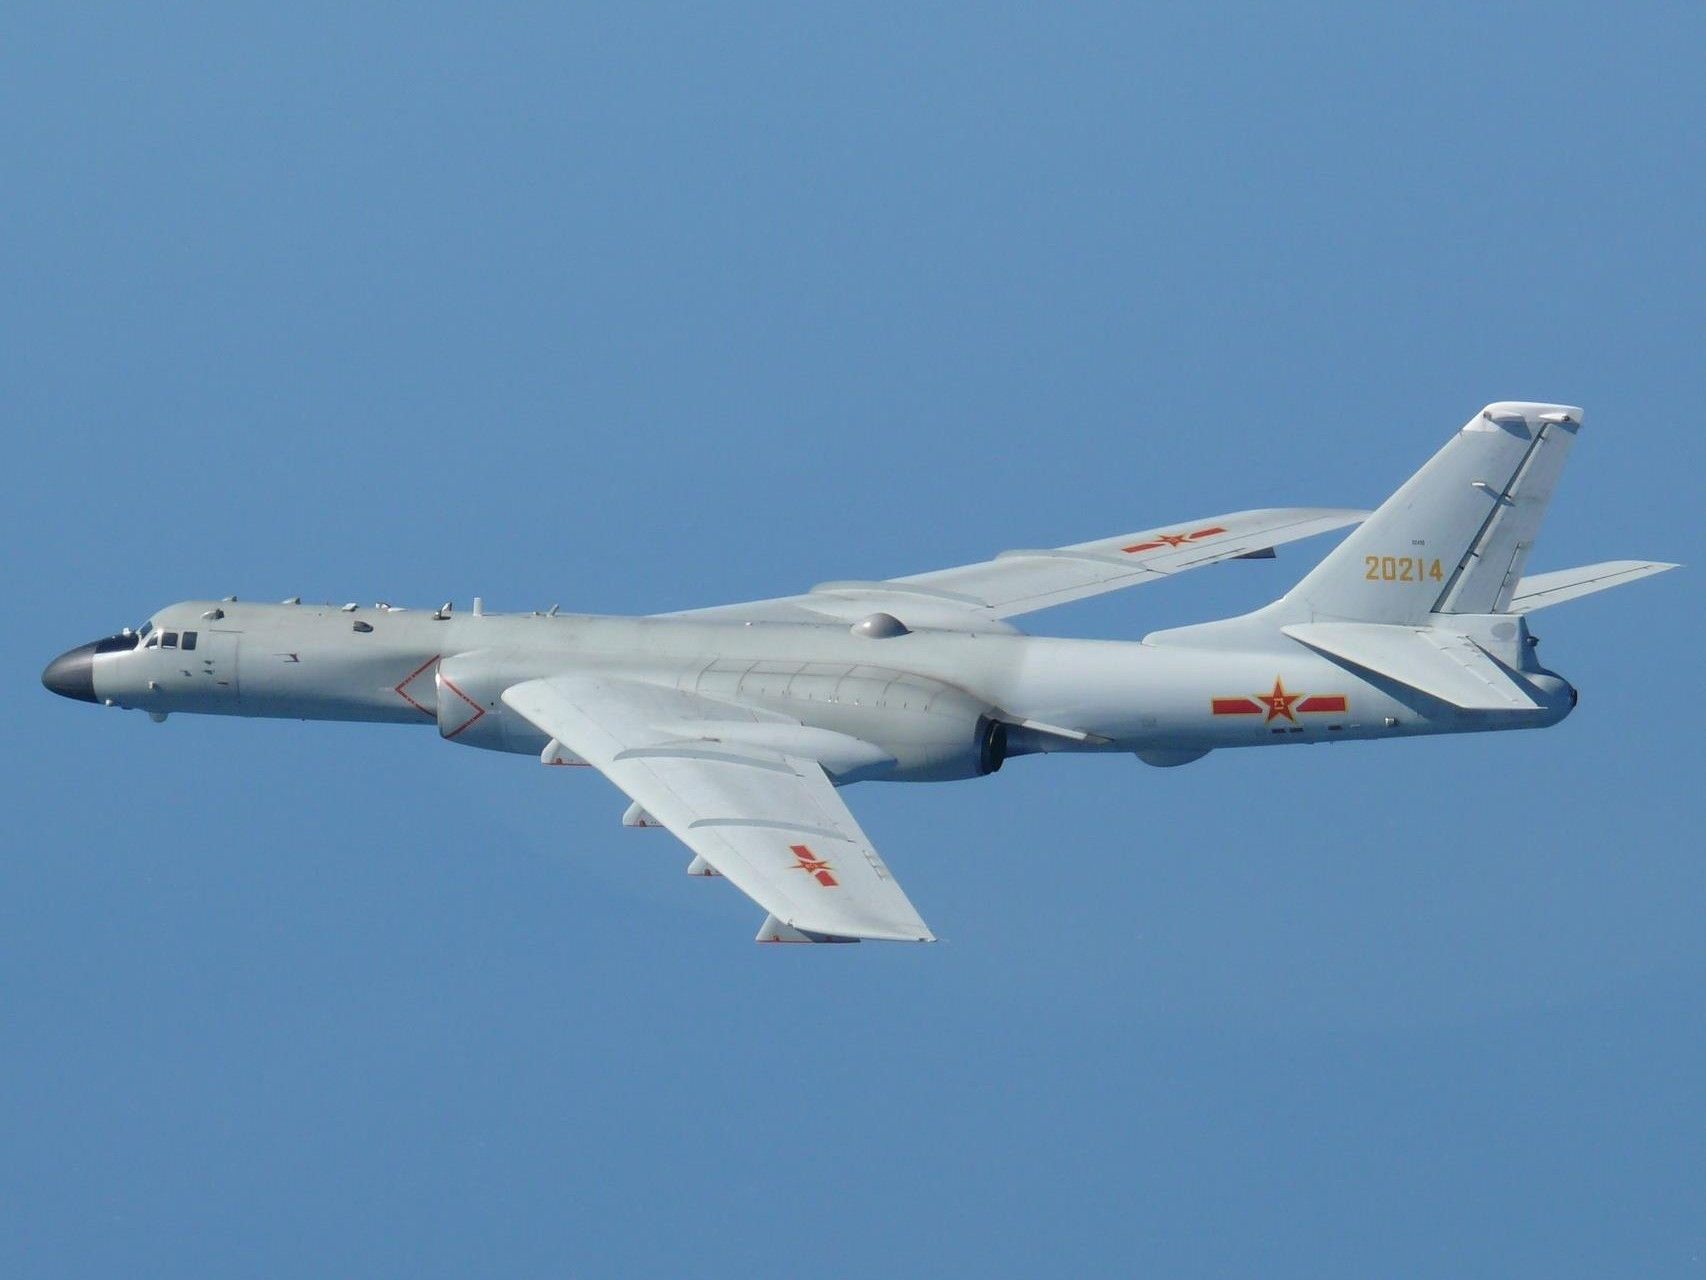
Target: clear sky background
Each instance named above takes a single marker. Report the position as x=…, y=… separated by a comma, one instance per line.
x=641, y=308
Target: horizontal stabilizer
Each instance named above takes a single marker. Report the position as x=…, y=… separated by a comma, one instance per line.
x=773, y=930
x=1441, y=664
x=1546, y=589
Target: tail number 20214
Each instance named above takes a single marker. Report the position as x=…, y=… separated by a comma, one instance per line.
x=1402, y=569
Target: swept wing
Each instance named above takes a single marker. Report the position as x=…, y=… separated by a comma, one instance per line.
x=1023, y=581
x=743, y=792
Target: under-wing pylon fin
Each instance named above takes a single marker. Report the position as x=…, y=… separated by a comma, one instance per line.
x=773, y=930
x=636, y=816
x=1545, y=589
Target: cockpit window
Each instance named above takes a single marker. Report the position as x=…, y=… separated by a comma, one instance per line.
x=153, y=641
x=169, y=640
x=144, y=629
x=189, y=639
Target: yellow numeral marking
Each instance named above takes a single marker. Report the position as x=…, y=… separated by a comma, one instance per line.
x=1403, y=569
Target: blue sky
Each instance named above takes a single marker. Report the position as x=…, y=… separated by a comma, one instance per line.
x=638, y=308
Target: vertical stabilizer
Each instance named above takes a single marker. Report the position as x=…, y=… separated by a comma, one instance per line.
x=1455, y=537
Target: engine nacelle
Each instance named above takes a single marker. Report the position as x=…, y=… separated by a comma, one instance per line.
x=933, y=731
x=929, y=730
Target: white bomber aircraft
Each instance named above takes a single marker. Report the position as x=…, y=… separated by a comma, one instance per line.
x=734, y=726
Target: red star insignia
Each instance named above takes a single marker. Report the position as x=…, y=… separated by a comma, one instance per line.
x=1278, y=703
x=1173, y=539
x=815, y=867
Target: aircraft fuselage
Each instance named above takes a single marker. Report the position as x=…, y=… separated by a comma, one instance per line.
x=926, y=701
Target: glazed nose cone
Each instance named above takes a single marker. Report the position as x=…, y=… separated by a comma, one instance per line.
x=72, y=674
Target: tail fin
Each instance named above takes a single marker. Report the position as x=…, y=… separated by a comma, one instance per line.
x=1428, y=592
x=1455, y=537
